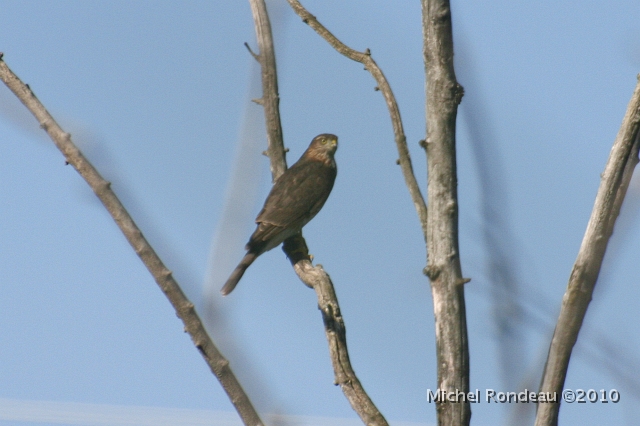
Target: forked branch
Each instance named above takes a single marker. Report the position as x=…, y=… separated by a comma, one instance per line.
x=162, y=275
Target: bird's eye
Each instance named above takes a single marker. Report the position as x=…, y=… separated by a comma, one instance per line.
x=323, y=141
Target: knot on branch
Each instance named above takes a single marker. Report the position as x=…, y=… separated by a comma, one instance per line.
x=441, y=15
x=200, y=347
x=458, y=93
x=308, y=18
x=105, y=185
x=332, y=319
x=221, y=364
x=432, y=272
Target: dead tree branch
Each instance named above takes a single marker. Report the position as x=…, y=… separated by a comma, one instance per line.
x=316, y=278
x=296, y=247
x=184, y=308
x=443, y=254
x=613, y=188
x=270, y=100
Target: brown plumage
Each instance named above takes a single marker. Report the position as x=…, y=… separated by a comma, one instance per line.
x=296, y=197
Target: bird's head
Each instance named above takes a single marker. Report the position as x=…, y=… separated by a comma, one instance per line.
x=322, y=148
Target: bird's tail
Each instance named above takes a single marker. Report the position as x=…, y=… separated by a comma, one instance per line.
x=233, y=280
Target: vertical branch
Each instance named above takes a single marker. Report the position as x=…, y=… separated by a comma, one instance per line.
x=270, y=97
x=613, y=187
x=296, y=248
x=443, y=268
x=184, y=308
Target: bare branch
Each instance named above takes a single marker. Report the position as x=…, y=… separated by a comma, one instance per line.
x=384, y=87
x=270, y=98
x=316, y=278
x=296, y=247
x=613, y=187
x=163, y=277
x=443, y=268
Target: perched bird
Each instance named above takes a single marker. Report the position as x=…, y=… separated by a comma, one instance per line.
x=296, y=197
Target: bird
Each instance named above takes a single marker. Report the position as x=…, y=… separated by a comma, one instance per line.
x=295, y=198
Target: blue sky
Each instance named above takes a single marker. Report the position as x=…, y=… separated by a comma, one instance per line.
x=157, y=94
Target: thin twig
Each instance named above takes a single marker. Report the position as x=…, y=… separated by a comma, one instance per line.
x=255, y=55
x=296, y=247
x=384, y=87
x=163, y=277
x=443, y=268
x=613, y=188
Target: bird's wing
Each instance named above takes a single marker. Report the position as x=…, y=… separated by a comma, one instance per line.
x=298, y=195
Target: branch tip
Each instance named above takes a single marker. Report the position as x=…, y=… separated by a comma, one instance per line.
x=255, y=55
